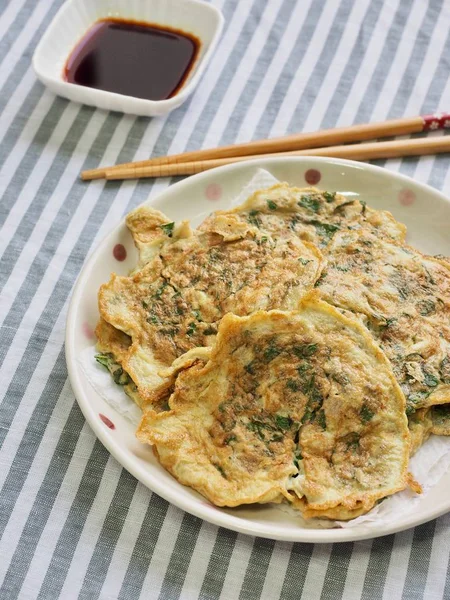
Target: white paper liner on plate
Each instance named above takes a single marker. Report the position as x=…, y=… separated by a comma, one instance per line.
x=260, y=180
x=427, y=466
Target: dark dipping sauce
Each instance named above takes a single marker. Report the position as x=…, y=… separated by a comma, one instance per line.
x=132, y=58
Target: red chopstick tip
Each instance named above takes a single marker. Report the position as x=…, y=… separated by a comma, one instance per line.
x=439, y=120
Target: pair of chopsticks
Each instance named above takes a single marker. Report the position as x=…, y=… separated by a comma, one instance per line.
x=336, y=143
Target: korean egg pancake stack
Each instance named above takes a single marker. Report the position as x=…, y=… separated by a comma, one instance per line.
x=230, y=407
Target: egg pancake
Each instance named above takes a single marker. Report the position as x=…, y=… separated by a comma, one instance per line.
x=310, y=214
x=300, y=406
x=404, y=299
x=189, y=280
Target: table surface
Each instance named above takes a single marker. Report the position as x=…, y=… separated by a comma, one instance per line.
x=73, y=523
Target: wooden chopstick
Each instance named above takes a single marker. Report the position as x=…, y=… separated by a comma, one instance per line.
x=299, y=141
x=398, y=148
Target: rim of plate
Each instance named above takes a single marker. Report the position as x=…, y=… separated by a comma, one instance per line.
x=213, y=514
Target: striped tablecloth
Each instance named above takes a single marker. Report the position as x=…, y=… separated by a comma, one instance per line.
x=73, y=523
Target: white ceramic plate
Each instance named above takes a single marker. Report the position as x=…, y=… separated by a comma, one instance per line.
x=75, y=18
x=425, y=211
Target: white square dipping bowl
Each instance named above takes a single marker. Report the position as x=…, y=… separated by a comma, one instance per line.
x=74, y=19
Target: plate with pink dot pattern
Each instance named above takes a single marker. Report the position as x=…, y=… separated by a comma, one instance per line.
x=424, y=210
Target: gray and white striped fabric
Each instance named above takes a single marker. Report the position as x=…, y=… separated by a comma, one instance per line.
x=73, y=523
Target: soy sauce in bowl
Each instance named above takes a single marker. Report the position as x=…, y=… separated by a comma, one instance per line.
x=137, y=59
